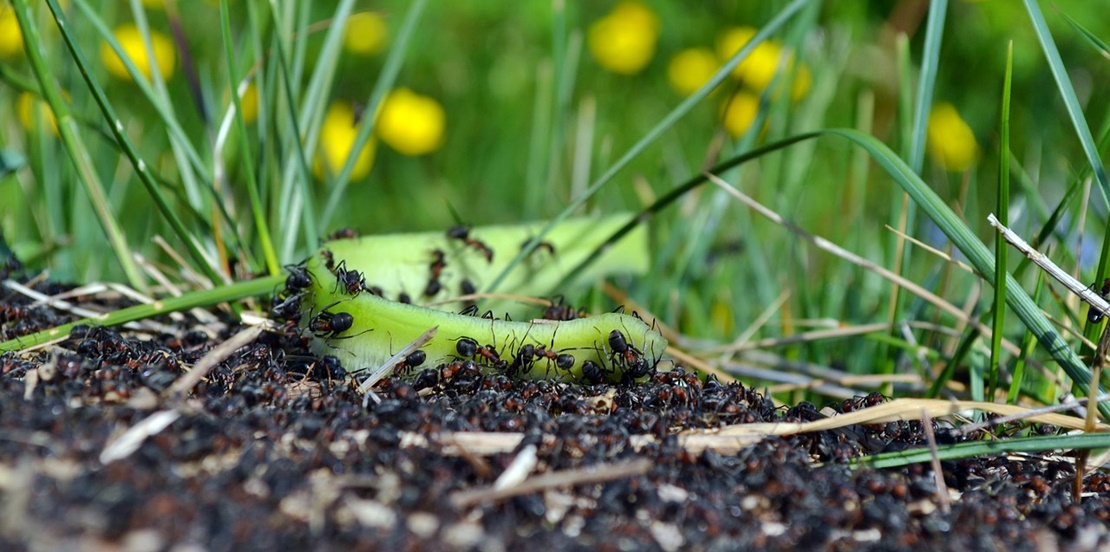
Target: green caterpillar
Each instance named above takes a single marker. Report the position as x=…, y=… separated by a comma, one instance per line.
x=367, y=331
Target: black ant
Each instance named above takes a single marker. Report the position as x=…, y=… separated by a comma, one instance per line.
x=467, y=288
x=328, y=325
x=425, y=379
x=593, y=373
x=1094, y=316
x=462, y=234
x=414, y=359
x=433, y=288
x=343, y=234
x=523, y=360
x=560, y=311
x=351, y=281
x=562, y=360
x=329, y=260
x=468, y=348
x=470, y=310
x=287, y=308
x=436, y=268
x=635, y=366
x=298, y=279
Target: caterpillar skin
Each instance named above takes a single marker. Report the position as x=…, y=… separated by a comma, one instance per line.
x=380, y=327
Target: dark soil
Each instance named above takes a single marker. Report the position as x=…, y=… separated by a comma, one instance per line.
x=275, y=450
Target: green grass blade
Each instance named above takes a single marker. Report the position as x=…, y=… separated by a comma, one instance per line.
x=239, y=290
x=926, y=82
x=1027, y=346
x=1084, y=441
x=384, y=83
x=1075, y=112
x=1092, y=38
x=1003, y=209
x=666, y=123
x=257, y=209
x=75, y=145
x=137, y=163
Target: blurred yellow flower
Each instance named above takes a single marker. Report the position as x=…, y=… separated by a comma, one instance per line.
x=410, y=123
x=25, y=106
x=951, y=142
x=739, y=113
x=624, y=41
x=249, y=103
x=11, y=38
x=337, y=137
x=366, y=33
x=690, y=69
x=759, y=68
x=131, y=40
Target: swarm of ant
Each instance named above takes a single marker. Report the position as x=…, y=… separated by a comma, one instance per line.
x=615, y=357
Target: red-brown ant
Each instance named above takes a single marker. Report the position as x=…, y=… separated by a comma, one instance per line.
x=462, y=234
x=329, y=260
x=1094, y=316
x=541, y=245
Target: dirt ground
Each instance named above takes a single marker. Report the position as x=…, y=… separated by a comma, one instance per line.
x=275, y=450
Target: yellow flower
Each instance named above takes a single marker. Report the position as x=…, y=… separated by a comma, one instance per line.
x=690, y=69
x=762, y=64
x=131, y=40
x=25, y=106
x=249, y=103
x=624, y=41
x=337, y=137
x=410, y=123
x=366, y=33
x=951, y=142
x=11, y=38
x=739, y=113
